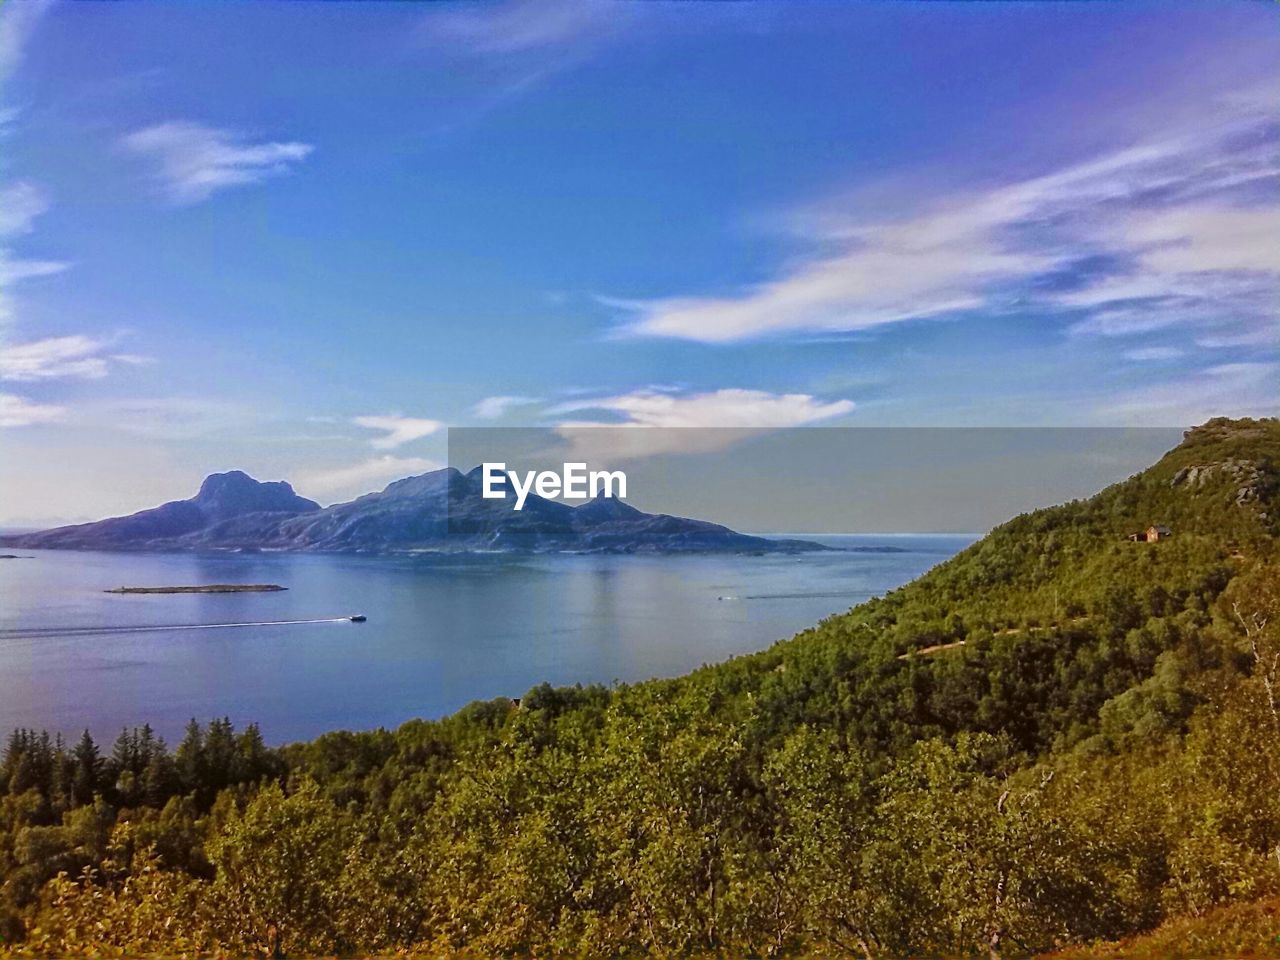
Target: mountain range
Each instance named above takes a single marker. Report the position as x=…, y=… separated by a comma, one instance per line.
x=434, y=512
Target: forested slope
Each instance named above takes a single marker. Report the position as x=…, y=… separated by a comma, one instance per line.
x=1057, y=737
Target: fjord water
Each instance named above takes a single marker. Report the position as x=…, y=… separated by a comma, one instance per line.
x=441, y=631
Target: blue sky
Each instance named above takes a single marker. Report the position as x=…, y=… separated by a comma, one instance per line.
x=302, y=239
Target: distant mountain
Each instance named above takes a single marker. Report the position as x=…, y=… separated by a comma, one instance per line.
x=438, y=511
x=226, y=502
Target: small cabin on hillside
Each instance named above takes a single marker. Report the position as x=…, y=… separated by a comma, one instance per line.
x=1152, y=534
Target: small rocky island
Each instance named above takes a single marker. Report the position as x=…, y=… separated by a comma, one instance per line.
x=205, y=588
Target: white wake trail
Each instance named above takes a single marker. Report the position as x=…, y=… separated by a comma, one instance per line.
x=19, y=633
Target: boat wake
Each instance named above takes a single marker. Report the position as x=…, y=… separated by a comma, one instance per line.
x=35, y=633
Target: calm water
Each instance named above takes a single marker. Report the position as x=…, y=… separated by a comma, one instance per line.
x=441, y=631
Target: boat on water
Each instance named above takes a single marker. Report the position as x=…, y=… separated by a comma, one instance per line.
x=358, y=618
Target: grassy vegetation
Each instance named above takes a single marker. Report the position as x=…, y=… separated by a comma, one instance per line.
x=1058, y=737
x=1241, y=930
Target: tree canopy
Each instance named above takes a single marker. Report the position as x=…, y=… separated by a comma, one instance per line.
x=1057, y=737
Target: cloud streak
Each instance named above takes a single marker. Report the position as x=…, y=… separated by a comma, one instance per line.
x=1153, y=354
x=396, y=430
x=718, y=408
x=55, y=358
x=1180, y=231
x=651, y=422
x=1223, y=390
x=17, y=411
x=17, y=23
x=507, y=50
x=21, y=203
x=494, y=408
x=358, y=478
x=193, y=161
x=521, y=26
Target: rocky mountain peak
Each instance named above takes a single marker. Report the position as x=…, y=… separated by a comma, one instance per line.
x=235, y=493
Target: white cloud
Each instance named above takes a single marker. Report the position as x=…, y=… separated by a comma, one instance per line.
x=8, y=120
x=195, y=160
x=398, y=430
x=1119, y=319
x=358, y=478
x=522, y=25
x=1143, y=354
x=59, y=357
x=1178, y=223
x=925, y=267
x=504, y=50
x=16, y=411
x=1194, y=240
x=11, y=271
x=1263, y=334
x=719, y=408
x=133, y=359
x=20, y=204
x=653, y=422
x=493, y=408
x=1248, y=389
x=17, y=23
x=1216, y=269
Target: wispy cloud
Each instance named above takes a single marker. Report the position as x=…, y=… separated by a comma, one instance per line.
x=508, y=49
x=13, y=269
x=1146, y=354
x=21, y=203
x=54, y=358
x=494, y=408
x=193, y=161
x=1212, y=268
x=17, y=23
x=351, y=481
x=719, y=408
x=1184, y=230
x=650, y=422
x=919, y=269
x=518, y=26
x=396, y=430
x=1223, y=390
x=16, y=411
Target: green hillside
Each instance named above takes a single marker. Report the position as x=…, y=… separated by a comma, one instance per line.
x=1046, y=606
x=1060, y=737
